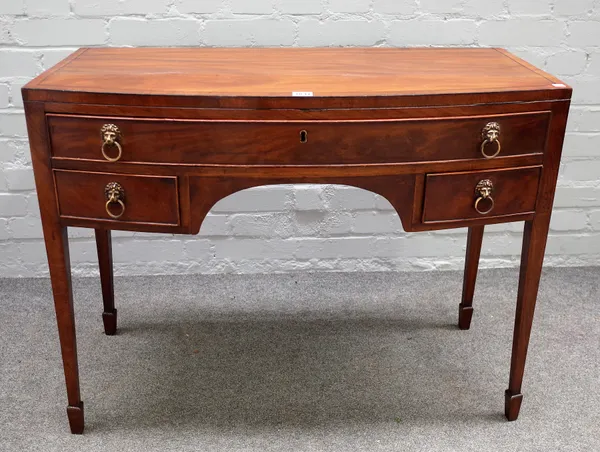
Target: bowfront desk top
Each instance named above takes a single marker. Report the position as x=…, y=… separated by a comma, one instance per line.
x=150, y=139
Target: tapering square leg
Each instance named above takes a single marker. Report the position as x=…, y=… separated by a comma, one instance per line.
x=60, y=274
x=76, y=419
x=465, y=308
x=105, y=263
x=532, y=258
x=59, y=265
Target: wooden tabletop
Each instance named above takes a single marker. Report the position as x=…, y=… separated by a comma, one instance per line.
x=291, y=72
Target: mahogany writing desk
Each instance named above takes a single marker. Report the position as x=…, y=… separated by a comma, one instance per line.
x=150, y=139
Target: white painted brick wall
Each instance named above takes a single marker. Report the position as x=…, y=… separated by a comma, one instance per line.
x=286, y=228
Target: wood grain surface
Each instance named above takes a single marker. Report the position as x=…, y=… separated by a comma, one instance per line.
x=277, y=142
x=451, y=196
x=201, y=124
x=227, y=77
x=148, y=199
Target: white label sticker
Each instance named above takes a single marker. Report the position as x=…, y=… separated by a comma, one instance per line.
x=559, y=85
x=302, y=93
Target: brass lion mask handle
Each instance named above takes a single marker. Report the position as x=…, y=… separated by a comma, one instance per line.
x=484, y=190
x=115, y=196
x=491, y=136
x=111, y=137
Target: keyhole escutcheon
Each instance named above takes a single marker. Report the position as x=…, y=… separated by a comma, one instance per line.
x=303, y=136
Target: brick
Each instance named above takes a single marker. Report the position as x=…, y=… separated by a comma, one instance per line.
x=587, y=170
x=568, y=220
x=586, y=89
x=382, y=204
x=261, y=199
x=322, y=223
x=241, y=248
x=6, y=24
x=424, y=245
x=163, y=32
x=128, y=250
x=145, y=6
x=340, y=33
x=349, y=6
x=97, y=8
x=521, y=32
x=58, y=32
x=585, y=119
x=300, y=6
x=529, y=7
x=15, y=92
x=12, y=7
x=566, y=63
x=33, y=252
x=252, y=7
x=26, y=228
x=110, y=8
x=198, y=248
x=249, y=32
x=577, y=197
x=196, y=7
x=376, y=223
x=594, y=64
x=573, y=7
x=4, y=233
x=82, y=251
x=3, y=183
x=532, y=56
x=419, y=32
x=493, y=8
x=343, y=247
x=33, y=206
x=3, y=97
x=16, y=63
x=215, y=225
x=573, y=244
x=516, y=226
x=348, y=198
x=261, y=225
x=47, y=7
x=13, y=205
x=501, y=245
x=19, y=179
x=441, y=6
x=583, y=34
x=309, y=197
x=395, y=7
x=79, y=233
x=50, y=57
x=581, y=145
x=13, y=125
x=595, y=220
x=9, y=151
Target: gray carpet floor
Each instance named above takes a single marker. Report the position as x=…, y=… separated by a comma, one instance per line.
x=304, y=362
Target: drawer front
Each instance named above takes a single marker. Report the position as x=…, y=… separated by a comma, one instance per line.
x=480, y=194
x=129, y=198
x=296, y=142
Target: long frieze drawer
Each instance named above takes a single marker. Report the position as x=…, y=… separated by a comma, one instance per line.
x=480, y=194
x=117, y=197
x=296, y=142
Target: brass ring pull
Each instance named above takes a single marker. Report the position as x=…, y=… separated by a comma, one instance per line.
x=484, y=190
x=484, y=212
x=491, y=134
x=112, y=215
x=112, y=159
x=498, y=148
x=111, y=135
x=115, y=195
